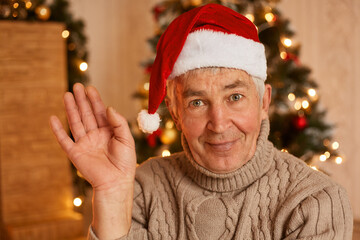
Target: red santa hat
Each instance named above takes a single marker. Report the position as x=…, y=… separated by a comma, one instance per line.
x=207, y=36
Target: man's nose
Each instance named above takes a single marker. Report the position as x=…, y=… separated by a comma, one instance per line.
x=219, y=118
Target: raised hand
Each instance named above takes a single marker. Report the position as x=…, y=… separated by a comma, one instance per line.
x=104, y=153
x=104, y=150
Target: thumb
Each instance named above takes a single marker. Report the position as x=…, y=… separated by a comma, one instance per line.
x=119, y=125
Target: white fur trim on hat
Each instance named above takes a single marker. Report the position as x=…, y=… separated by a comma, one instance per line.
x=206, y=48
x=148, y=123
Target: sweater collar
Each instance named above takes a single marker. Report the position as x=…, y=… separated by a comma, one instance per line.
x=239, y=179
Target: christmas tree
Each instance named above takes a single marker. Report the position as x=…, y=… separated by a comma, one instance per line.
x=298, y=124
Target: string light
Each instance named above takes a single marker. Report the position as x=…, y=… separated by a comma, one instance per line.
x=16, y=5
x=297, y=105
x=322, y=157
x=65, y=34
x=338, y=160
x=287, y=42
x=283, y=55
x=28, y=4
x=83, y=66
x=326, y=142
x=169, y=124
x=284, y=150
x=146, y=86
x=165, y=153
x=77, y=202
x=269, y=17
x=250, y=17
x=327, y=154
x=312, y=92
x=335, y=145
x=305, y=104
x=291, y=97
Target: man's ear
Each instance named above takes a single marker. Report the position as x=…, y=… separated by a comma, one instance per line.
x=173, y=115
x=266, y=102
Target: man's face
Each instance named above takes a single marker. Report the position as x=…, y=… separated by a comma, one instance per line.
x=220, y=116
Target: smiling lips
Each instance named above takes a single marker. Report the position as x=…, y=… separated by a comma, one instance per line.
x=221, y=146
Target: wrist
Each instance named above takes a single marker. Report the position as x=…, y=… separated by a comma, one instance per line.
x=112, y=211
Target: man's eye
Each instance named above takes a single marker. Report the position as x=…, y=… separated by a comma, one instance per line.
x=235, y=97
x=196, y=103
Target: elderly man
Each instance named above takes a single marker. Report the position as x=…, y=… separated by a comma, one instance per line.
x=230, y=182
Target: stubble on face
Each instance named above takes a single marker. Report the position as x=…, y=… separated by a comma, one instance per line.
x=221, y=133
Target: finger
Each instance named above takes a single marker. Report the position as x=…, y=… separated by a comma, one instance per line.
x=64, y=140
x=73, y=116
x=86, y=113
x=97, y=106
x=121, y=128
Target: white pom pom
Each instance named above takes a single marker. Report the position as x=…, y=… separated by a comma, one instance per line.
x=148, y=123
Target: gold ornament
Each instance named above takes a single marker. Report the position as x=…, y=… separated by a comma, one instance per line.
x=168, y=136
x=195, y=2
x=43, y=12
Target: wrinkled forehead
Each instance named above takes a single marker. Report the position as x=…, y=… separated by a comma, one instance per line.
x=223, y=75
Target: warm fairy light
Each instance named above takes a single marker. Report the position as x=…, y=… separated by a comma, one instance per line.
x=250, y=17
x=166, y=153
x=284, y=150
x=283, y=55
x=305, y=104
x=169, y=124
x=338, y=160
x=335, y=145
x=83, y=66
x=43, y=12
x=291, y=97
x=16, y=5
x=297, y=105
x=287, y=42
x=77, y=202
x=315, y=168
x=326, y=142
x=327, y=154
x=28, y=4
x=65, y=34
x=312, y=92
x=146, y=86
x=322, y=157
x=269, y=17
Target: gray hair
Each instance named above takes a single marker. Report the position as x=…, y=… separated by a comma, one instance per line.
x=171, y=85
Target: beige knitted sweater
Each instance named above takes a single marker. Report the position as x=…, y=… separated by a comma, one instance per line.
x=273, y=196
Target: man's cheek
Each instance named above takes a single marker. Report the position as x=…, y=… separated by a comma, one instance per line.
x=194, y=126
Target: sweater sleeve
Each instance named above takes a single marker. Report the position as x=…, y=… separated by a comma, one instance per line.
x=138, y=229
x=323, y=215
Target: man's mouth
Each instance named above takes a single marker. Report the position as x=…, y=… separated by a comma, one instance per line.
x=221, y=146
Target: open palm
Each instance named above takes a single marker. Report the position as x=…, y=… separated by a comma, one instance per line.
x=104, y=150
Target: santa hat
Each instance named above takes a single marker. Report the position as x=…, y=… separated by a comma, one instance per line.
x=207, y=36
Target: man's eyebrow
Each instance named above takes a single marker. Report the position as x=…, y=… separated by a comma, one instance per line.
x=190, y=93
x=237, y=84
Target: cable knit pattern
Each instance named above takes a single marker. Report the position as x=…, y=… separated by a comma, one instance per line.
x=273, y=196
